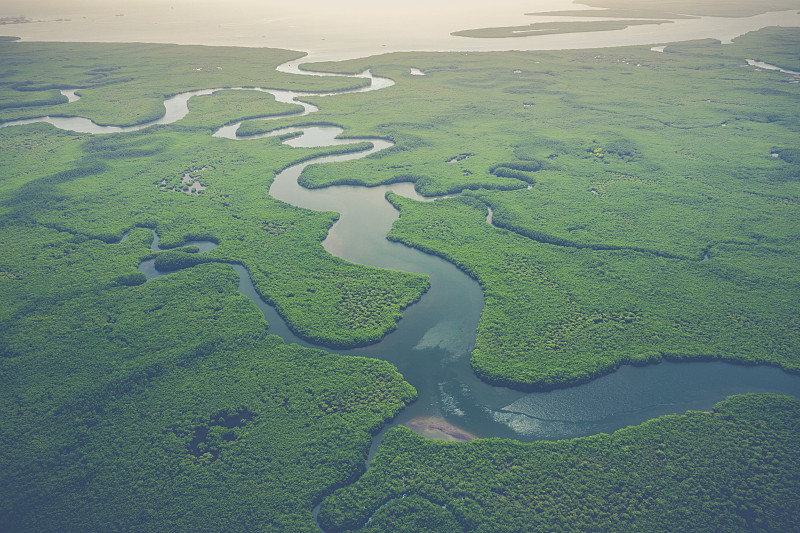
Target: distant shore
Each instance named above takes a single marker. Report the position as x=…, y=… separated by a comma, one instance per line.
x=329, y=34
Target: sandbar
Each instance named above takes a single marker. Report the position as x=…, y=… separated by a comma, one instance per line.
x=437, y=428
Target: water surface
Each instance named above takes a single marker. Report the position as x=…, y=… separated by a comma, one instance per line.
x=345, y=29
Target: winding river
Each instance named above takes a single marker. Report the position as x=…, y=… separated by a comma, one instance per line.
x=432, y=344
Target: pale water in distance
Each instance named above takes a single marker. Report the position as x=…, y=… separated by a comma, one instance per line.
x=344, y=29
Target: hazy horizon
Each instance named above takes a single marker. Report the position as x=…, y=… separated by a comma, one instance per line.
x=342, y=30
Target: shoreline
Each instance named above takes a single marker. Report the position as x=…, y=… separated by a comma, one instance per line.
x=343, y=43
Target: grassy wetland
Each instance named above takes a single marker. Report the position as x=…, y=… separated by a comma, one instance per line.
x=641, y=206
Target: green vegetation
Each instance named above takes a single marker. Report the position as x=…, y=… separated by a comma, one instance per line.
x=157, y=407
x=776, y=47
x=550, y=28
x=733, y=469
x=227, y=107
x=620, y=13
x=410, y=515
x=558, y=315
x=117, y=81
x=33, y=98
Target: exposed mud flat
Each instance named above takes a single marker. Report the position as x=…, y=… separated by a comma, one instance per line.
x=437, y=428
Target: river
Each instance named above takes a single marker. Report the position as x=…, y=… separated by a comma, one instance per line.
x=432, y=344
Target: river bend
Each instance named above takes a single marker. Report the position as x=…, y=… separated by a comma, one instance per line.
x=432, y=343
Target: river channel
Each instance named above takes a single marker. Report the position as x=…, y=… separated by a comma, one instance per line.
x=432, y=344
